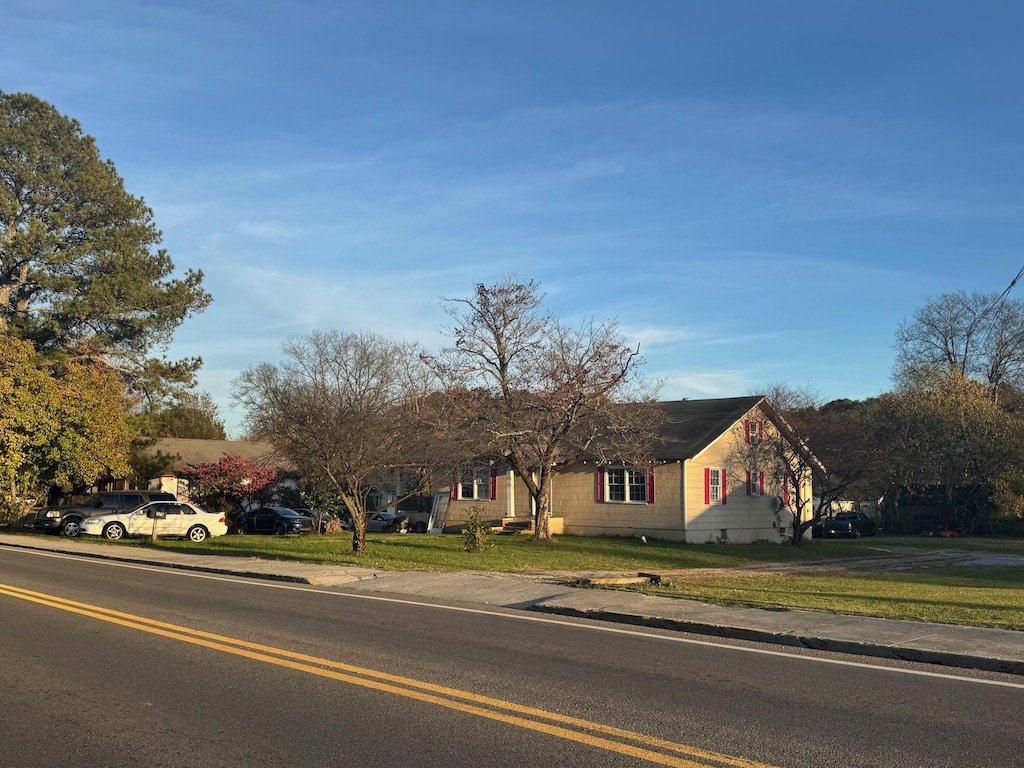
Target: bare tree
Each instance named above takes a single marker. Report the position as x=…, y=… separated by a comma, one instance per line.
x=980, y=335
x=826, y=443
x=345, y=407
x=541, y=394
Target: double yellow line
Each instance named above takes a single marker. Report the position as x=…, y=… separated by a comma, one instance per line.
x=631, y=743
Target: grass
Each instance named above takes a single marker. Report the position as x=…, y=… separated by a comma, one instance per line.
x=510, y=554
x=977, y=596
x=990, y=596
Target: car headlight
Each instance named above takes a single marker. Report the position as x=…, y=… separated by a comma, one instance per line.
x=53, y=513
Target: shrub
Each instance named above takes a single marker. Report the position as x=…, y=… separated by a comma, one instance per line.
x=477, y=531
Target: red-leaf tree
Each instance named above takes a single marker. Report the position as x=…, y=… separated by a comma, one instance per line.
x=231, y=482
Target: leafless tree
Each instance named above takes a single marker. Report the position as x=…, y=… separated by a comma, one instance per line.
x=541, y=394
x=980, y=335
x=826, y=442
x=347, y=407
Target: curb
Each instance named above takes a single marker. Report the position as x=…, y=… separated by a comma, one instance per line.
x=899, y=653
x=165, y=564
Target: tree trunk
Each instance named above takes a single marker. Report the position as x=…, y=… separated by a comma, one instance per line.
x=541, y=528
x=358, y=541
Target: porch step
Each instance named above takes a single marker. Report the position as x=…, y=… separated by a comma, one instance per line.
x=515, y=527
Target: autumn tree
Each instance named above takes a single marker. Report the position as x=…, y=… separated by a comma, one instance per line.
x=60, y=424
x=541, y=394
x=81, y=274
x=344, y=407
x=229, y=483
x=947, y=432
x=978, y=335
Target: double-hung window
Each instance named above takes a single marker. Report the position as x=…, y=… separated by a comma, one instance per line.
x=625, y=484
x=475, y=484
x=715, y=488
x=755, y=483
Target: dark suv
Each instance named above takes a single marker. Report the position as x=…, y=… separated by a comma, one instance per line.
x=68, y=520
x=854, y=524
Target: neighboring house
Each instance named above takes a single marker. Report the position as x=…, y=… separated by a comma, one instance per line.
x=700, y=489
x=186, y=451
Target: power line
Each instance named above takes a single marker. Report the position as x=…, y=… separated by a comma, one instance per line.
x=1013, y=282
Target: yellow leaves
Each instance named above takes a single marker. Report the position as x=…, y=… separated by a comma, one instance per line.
x=59, y=424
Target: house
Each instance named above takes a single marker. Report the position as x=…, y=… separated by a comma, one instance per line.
x=710, y=482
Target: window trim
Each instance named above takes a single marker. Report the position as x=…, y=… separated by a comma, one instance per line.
x=645, y=481
x=485, y=486
x=722, y=485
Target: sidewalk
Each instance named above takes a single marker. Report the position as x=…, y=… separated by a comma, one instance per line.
x=995, y=650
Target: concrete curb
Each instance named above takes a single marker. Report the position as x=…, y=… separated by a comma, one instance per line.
x=877, y=650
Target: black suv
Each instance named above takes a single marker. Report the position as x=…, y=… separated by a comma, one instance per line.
x=68, y=520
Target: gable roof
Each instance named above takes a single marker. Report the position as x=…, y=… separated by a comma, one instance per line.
x=209, y=451
x=692, y=425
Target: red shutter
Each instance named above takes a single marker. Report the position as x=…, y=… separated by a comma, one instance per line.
x=600, y=483
x=650, y=485
x=494, y=483
x=748, y=482
x=746, y=430
x=760, y=482
x=760, y=430
x=724, y=486
x=455, y=488
x=707, y=485
x=785, y=491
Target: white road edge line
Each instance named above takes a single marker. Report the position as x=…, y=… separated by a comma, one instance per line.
x=257, y=582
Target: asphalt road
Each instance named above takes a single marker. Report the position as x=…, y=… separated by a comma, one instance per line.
x=113, y=665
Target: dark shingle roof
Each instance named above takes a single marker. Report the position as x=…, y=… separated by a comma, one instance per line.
x=210, y=451
x=692, y=425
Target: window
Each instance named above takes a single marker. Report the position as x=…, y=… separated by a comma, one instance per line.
x=476, y=484
x=715, y=488
x=755, y=483
x=753, y=430
x=625, y=484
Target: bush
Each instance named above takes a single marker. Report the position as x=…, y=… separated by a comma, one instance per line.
x=477, y=531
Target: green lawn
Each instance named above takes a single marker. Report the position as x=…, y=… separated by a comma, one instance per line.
x=510, y=554
x=978, y=596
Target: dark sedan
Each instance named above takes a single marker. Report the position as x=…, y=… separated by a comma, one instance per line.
x=278, y=520
x=853, y=524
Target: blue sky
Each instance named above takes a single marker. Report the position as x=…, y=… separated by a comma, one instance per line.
x=754, y=191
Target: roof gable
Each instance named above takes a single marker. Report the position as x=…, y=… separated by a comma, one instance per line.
x=692, y=425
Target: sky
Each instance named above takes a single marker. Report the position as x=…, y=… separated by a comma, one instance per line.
x=755, y=192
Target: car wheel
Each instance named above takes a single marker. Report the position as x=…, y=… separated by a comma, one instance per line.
x=280, y=529
x=856, y=533
x=113, y=531
x=71, y=528
x=240, y=529
x=197, y=534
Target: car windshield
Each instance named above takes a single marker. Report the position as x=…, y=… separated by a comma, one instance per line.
x=285, y=512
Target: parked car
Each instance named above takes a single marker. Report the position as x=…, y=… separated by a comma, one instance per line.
x=386, y=522
x=853, y=524
x=321, y=520
x=279, y=520
x=68, y=520
x=172, y=518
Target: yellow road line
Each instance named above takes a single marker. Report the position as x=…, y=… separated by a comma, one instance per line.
x=451, y=698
